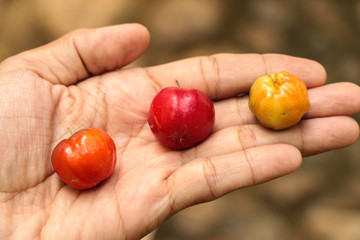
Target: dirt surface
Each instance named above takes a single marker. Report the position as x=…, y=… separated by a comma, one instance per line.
x=322, y=199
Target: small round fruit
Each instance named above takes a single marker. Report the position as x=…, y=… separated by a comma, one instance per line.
x=279, y=100
x=85, y=159
x=181, y=118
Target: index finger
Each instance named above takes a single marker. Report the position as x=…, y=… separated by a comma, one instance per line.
x=225, y=75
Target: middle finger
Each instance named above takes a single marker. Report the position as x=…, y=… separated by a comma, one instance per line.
x=329, y=100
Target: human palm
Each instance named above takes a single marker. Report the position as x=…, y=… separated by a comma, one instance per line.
x=77, y=82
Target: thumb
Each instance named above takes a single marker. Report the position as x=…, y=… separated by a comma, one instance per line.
x=82, y=53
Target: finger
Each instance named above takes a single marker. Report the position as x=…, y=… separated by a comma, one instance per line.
x=311, y=137
x=329, y=100
x=233, y=112
x=334, y=99
x=224, y=75
x=205, y=179
x=330, y=133
x=83, y=52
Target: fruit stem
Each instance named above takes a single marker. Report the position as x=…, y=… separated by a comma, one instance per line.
x=177, y=83
x=71, y=132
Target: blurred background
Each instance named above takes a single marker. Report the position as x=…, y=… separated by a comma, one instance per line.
x=319, y=201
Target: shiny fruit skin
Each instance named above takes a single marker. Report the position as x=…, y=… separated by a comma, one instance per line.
x=85, y=159
x=181, y=118
x=279, y=100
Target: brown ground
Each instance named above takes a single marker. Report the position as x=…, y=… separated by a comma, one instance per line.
x=322, y=199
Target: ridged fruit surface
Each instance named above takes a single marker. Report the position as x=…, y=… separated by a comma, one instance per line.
x=279, y=100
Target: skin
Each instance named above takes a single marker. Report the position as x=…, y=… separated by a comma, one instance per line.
x=76, y=82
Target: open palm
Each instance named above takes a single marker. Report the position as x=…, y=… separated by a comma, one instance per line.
x=77, y=82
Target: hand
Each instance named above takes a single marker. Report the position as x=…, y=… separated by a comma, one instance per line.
x=77, y=82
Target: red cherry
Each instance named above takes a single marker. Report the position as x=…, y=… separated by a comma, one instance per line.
x=85, y=159
x=181, y=118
